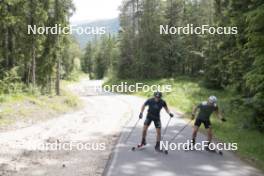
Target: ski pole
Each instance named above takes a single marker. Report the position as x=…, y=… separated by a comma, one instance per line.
x=165, y=130
x=180, y=131
x=166, y=151
x=132, y=130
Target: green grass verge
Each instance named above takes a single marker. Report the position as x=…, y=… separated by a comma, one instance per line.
x=24, y=106
x=187, y=92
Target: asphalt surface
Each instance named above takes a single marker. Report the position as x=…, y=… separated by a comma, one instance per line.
x=148, y=162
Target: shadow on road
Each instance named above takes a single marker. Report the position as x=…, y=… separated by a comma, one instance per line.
x=149, y=162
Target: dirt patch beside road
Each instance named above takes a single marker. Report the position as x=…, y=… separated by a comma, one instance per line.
x=98, y=122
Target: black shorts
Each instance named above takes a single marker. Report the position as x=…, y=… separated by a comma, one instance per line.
x=157, y=122
x=207, y=123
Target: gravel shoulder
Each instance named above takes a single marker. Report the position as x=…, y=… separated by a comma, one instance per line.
x=96, y=126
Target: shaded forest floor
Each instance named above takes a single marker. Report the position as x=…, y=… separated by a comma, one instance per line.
x=22, y=110
x=187, y=92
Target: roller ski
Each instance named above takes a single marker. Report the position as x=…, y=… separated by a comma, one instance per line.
x=214, y=151
x=158, y=149
x=139, y=146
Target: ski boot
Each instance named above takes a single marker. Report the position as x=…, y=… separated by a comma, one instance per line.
x=157, y=147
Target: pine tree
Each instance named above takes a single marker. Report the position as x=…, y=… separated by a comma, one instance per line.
x=255, y=47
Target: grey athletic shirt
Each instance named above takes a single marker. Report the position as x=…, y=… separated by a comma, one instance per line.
x=206, y=110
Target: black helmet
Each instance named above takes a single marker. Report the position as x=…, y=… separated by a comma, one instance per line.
x=158, y=94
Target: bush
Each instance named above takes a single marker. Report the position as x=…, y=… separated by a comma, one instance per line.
x=11, y=82
x=257, y=105
x=71, y=101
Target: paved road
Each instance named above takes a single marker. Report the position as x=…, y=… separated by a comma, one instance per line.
x=147, y=162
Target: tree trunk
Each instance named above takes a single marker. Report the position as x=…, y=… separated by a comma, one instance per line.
x=33, y=47
x=6, y=50
x=33, y=64
x=58, y=77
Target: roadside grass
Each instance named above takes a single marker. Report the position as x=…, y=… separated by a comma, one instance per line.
x=34, y=107
x=188, y=92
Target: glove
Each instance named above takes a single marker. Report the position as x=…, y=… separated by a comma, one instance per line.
x=171, y=115
x=223, y=120
x=140, y=115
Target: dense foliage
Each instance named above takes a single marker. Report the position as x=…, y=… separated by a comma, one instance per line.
x=100, y=56
x=34, y=60
x=223, y=61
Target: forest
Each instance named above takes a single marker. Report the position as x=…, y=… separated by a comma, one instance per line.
x=35, y=62
x=222, y=62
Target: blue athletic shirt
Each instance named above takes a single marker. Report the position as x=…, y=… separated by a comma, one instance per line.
x=154, y=107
